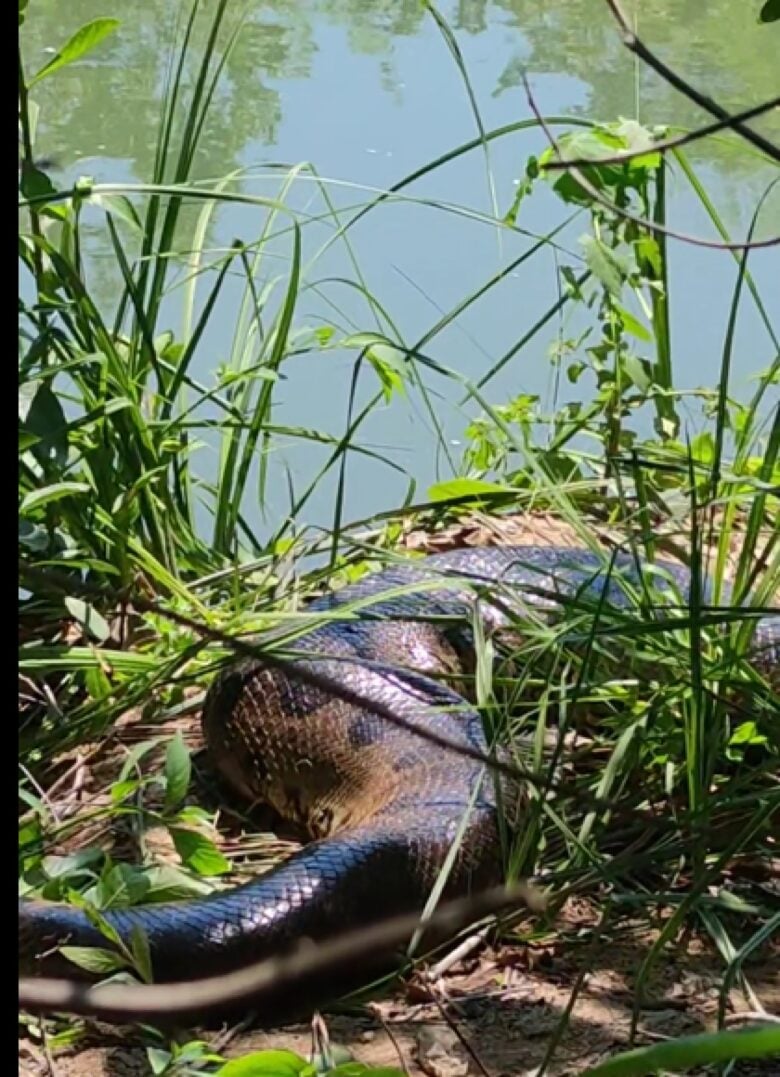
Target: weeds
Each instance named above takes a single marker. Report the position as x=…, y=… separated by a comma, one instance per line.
x=680, y=732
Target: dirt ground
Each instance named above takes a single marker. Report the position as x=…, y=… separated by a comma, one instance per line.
x=496, y=1011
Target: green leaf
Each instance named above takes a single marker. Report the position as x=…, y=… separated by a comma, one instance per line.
x=135, y=755
x=525, y=187
x=571, y=191
x=635, y=138
x=178, y=769
x=266, y=1064
x=29, y=841
x=637, y=372
x=196, y=1053
x=159, y=1060
x=46, y=494
x=83, y=41
x=388, y=368
x=198, y=852
x=573, y=284
x=27, y=440
x=121, y=790
x=387, y=359
x=689, y=1051
x=648, y=254
x=192, y=815
x=574, y=370
x=727, y=899
x=633, y=326
x=119, y=206
x=94, y=959
x=61, y=867
x=323, y=334
x=703, y=447
x=139, y=946
x=387, y=354
x=603, y=264
x=456, y=488
x=95, y=917
x=42, y=414
x=169, y=883
x=747, y=733
x=88, y=617
x=97, y=683
x=34, y=183
x=363, y=341
x=770, y=12
x=121, y=885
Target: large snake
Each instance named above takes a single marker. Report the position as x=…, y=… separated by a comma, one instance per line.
x=385, y=806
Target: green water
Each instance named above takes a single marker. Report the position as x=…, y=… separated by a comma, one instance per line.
x=368, y=92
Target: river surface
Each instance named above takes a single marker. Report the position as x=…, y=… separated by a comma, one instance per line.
x=367, y=92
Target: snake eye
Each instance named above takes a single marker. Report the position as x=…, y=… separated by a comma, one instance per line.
x=321, y=822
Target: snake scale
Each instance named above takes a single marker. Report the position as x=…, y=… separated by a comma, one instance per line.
x=383, y=806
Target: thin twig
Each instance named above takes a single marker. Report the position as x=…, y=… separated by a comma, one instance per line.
x=463, y=949
x=666, y=144
x=226, y=1037
x=562, y=1023
x=644, y=222
x=760, y=1017
x=376, y=1012
x=260, y=983
x=43, y=1067
x=465, y=1043
x=45, y=797
x=52, y=1071
x=635, y=44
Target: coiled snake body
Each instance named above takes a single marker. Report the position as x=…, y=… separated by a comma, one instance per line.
x=383, y=805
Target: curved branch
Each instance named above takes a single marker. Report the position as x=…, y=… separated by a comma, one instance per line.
x=667, y=144
x=270, y=984
x=644, y=222
x=637, y=46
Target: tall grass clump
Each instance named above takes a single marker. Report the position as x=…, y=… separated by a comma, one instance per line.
x=137, y=562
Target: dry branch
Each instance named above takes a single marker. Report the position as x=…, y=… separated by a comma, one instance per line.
x=266, y=984
x=635, y=44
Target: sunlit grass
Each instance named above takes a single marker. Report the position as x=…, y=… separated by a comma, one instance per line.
x=676, y=769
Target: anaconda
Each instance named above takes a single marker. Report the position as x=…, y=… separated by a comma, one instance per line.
x=383, y=805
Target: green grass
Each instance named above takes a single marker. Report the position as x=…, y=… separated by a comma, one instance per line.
x=676, y=781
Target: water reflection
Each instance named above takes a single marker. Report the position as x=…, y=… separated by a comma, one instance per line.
x=109, y=105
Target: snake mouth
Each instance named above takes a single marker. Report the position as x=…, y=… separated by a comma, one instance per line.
x=328, y=798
